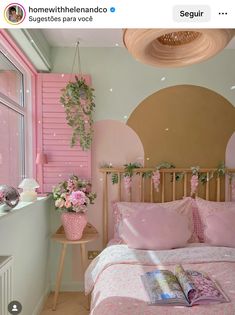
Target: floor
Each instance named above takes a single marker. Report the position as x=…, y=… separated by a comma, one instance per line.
x=69, y=303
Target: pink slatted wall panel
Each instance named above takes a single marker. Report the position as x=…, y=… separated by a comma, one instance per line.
x=53, y=137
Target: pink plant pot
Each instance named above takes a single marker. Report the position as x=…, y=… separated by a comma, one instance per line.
x=74, y=223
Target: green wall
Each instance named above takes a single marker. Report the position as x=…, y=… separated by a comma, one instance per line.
x=25, y=234
x=132, y=81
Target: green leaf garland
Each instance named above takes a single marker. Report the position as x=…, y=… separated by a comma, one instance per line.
x=202, y=177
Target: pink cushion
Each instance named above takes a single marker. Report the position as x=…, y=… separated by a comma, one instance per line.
x=197, y=222
x=185, y=206
x=218, y=219
x=155, y=228
x=116, y=220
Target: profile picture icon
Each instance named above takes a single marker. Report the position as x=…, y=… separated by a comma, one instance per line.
x=14, y=13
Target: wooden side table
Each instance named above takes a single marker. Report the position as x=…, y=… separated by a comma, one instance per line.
x=90, y=234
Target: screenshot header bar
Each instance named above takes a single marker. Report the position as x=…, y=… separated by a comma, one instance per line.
x=117, y=14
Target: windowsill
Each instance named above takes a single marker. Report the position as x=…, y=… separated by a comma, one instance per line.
x=21, y=205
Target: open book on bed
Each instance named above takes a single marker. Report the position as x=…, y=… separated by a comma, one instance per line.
x=185, y=288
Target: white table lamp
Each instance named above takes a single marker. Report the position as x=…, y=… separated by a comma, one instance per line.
x=28, y=194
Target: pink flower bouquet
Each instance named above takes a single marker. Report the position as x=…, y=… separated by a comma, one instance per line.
x=73, y=195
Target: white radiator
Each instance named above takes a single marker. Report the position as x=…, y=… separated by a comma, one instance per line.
x=5, y=283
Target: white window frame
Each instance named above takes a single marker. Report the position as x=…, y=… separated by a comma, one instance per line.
x=25, y=110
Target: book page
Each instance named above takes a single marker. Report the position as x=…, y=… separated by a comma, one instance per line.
x=163, y=288
x=206, y=289
x=185, y=282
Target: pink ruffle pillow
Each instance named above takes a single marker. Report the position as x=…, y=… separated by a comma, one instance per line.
x=218, y=219
x=198, y=226
x=154, y=225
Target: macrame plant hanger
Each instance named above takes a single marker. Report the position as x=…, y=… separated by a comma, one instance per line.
x=78, y=101
x=77, y=54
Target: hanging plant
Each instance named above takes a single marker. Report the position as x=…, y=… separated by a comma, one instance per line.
x=78, y=101
x=221, y=169
x=156, y=176
x=129, y=171
x=156, y=179
x=129, y=168
x=194, y=179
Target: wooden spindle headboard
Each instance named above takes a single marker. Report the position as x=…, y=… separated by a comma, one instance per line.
x=215, y=187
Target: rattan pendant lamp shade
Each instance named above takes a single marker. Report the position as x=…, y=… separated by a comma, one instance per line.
x=175, y=47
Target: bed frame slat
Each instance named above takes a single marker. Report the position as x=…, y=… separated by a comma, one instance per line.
x=105, y=210
x=119, y=186
x=218, y=188
x=151, y=190
x=173, y=186
x=230, y=188
x=207, y=186
x=185, y=184
x=143, y=190
x=163, y=187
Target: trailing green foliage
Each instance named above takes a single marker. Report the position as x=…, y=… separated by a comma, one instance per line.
x=147, y=174
x=129, y=168
x=221, y=169
x=165, y=165
x=78, y=101
x=202, y=177
x=114, y=178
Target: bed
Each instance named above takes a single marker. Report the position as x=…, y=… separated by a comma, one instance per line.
x=114, y=277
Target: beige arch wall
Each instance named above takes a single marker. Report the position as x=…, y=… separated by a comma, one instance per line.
x=185, y=124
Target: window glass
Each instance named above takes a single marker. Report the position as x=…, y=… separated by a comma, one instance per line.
x=11, y=81
x=11, y=146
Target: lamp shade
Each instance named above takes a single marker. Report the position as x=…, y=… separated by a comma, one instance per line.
x=175, y=47
x=41, y=158
x=29, y=183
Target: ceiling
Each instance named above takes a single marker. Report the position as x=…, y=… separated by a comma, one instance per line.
x=89, y=37
x=86, y=37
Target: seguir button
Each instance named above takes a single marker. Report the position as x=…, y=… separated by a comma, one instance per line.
x=191, y=13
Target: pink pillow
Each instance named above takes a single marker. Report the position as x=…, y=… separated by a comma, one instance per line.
x=155, y=228
x=154, y=225
x=183, y=206
x=197, y=222
x=218, y=219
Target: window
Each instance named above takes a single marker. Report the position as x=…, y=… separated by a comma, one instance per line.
x=12, y=123
x=11, y=81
